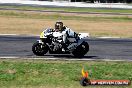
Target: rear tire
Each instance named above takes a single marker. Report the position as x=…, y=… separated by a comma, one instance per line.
x=39, y=49
x=81, y=50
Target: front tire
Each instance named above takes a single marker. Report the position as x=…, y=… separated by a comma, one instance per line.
x=39, y=49
x=81, y=50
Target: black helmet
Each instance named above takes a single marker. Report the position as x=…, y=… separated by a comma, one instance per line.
x=58, y=26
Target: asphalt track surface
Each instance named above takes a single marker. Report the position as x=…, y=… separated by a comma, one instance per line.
x=106, y=49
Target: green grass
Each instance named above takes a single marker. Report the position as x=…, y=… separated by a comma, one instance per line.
x=62, y=17
x=62, y=74
x=70, y=9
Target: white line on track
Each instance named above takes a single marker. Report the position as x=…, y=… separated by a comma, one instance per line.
x=8, y=57
x=104, y=37
x=8, y=34
x=63, y=59
x=19, y=35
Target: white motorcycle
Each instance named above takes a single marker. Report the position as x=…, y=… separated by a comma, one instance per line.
x=52, y=41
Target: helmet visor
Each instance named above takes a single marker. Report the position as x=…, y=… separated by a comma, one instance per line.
x=57, y=27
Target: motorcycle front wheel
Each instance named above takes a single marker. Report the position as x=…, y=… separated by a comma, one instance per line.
x=81, y=50
x=39, y=49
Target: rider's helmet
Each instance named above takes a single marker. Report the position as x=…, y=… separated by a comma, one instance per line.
x=59, y=26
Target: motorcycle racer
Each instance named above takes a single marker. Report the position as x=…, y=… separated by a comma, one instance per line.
x=66, y=33
x=61, y=40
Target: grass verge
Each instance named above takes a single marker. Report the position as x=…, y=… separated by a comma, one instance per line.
x=70, y=9
x=15, y=22
x=61, y=74
x=57, y=16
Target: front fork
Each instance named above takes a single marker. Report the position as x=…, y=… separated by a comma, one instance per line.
x=40, y=41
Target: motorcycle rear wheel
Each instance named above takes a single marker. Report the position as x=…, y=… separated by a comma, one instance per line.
x=39, y=49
